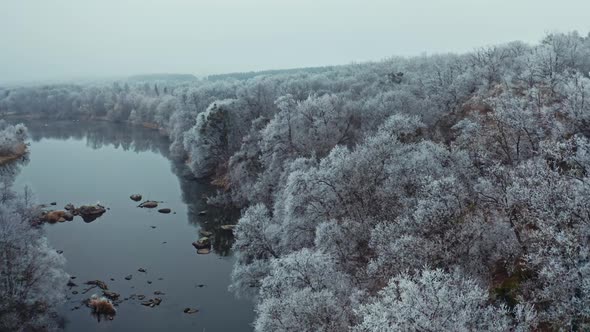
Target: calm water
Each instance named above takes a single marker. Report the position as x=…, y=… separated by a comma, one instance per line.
x=86, y=163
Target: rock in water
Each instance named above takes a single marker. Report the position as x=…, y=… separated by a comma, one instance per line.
x=165, y=210
x=149, y=204
x=111, y=295
x=141, y=269
x=128, y=277
x=101, y=306
x=190, y=311
x=203, y=251
x=135, y=197
x=90, y=212
x=152, y=302
x=98, y=283
x=55, y=216
x=202, y=243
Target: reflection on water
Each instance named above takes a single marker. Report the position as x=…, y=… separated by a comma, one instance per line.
x=137, y=139
x=86, y=162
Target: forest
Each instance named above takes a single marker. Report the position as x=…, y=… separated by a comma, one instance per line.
x=443, y=192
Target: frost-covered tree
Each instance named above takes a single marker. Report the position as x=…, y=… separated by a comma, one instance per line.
x=304, y=291
x=434, y=300
x=12, y=138
x=207, y=142
x=256, y=244
x=32, y=277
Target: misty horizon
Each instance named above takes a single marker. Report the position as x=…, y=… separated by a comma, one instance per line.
x=66, y=40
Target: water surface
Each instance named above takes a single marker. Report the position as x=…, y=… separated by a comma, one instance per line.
x=86, y=163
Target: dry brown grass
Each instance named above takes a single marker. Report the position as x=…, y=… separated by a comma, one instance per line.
x=222, y=181
x=221, y=178
x=21, y=150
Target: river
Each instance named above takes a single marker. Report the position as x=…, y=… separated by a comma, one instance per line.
x=86, y=163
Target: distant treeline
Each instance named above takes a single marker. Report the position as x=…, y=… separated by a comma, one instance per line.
x=252, y=74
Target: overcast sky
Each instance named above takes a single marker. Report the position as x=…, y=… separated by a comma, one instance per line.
x=65, y=39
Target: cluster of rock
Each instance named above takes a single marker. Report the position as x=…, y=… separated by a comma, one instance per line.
x=203, y=245
x=88, y=213
x=148, y=204
x=104, y=306
x=152, y=302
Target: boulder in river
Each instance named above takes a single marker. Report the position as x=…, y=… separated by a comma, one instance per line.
x=70, y=207
x=128, y=277
x=56, y=216
x=203, y=251
x=165, y=210
x=101, y=306
x=190, y=311
x=202, y=243
x=141, y=269
x=90, y=212
x=135, y=197
x=149, y=204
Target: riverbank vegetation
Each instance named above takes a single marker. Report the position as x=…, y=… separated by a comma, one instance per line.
x=32, y=276
x=12, y=142
x=372, y=191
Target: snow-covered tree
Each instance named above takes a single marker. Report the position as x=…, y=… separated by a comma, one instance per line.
x=304, y=291
x=32, y=277
x=12, y=138
x=433, y=300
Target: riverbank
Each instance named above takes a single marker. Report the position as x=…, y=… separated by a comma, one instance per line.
x=21, y=150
